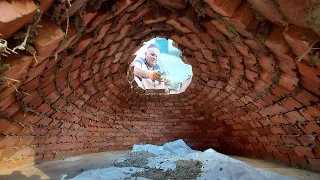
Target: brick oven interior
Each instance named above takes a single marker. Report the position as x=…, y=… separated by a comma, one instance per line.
x=254, y=93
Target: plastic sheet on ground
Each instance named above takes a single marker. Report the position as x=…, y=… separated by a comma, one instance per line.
x=214, y=165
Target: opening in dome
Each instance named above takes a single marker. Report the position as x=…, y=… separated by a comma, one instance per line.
x=158, y=68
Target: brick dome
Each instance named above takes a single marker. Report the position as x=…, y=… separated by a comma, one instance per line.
x=255, y=88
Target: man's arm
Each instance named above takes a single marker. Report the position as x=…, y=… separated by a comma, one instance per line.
x=138, y=71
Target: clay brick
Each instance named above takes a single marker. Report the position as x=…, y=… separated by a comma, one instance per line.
x=45, y=5
x=307, y=141
x=223, y=29
x=139, y=14
x=48, y=38
x=225, y=8
x=13, y=108
x=294, y=11
x=310, y=72
x=276, y=41
x=187, y=17
x=303, y=151
x=69, y=39
x=36, y=71
x=315, y=164
x=134, y=6
x=97, y=21
x=300, y=39
x=121, y=6
x=311, y=128
x=152, y=17
x=14, y=15
x=310, y=113
x=75, y=6
x=19, y=65
x=271, y=148
x=211, y=30
x=269, y=10
x=298, y=160
x=242, y=18
x=282, y=157
x=123, y=32
x=177, y=4
x=305, y=98
x=290, y=104
x=89, y=14
x=277, y=130
x=103, y=30
x=172, y=20
x=83, y=43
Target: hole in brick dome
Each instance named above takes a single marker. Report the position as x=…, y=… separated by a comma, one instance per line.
x=158, y=68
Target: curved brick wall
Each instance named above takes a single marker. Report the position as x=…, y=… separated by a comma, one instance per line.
x=255, y=89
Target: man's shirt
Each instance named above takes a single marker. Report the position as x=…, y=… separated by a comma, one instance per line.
x=142, y=63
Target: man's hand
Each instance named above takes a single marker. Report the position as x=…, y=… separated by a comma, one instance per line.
x=154, y=75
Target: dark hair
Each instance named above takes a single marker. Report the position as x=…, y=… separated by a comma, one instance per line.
x=153, y=46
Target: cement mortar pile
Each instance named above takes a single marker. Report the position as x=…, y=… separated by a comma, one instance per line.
x=177, y=161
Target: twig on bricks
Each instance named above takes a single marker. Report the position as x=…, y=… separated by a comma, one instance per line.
x=308, y=50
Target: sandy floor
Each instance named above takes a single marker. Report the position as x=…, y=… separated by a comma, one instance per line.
x=70, y=167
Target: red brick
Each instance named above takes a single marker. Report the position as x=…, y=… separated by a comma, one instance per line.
x=83, y=43
x=277, y=130
x=139, y=14
x=311, y=128
x=310, y=113
x=222, y=28
x=134, y=6
x=45, y=4
x=291, y=140
x=300, y=40
x=307, y=141
x=242, y=18
x=69, y=39
x=290, y=104
x=103, y=30
x=15, y=14
x=96, y=21
x=305, y=98
x=36, y=71
x=9, y=111
x=298, y=160
x=285, y=149
x=276, y=41
x=188, y=17
x=303, y=151
x=123, y=32
x=211, y=30
x=225, y=8
x=48, y=38
x=294, y=11
x=89, y=14
x=269, y=10
x=172, y=20
x=281, y=157
x=152, y=17
x=19, y=65
x=177, y=4
x=271, y=148
x=315, y=164
x=310, y=72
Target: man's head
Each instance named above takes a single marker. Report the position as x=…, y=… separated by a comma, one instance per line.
x=152, y=54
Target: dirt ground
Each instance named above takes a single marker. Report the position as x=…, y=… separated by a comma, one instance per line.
x=70, y=167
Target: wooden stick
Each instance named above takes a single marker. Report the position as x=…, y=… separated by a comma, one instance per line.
x=308, y=50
